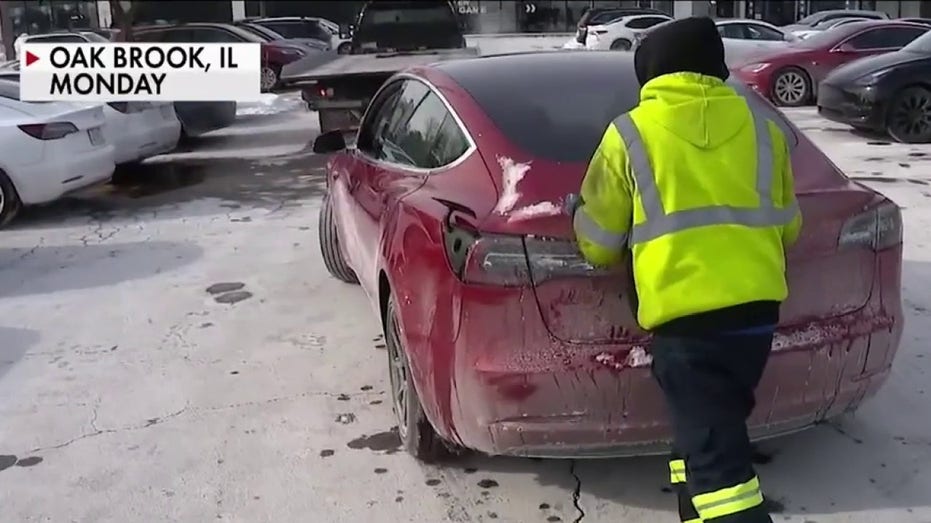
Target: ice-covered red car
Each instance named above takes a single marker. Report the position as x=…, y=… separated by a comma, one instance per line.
x=500, y=337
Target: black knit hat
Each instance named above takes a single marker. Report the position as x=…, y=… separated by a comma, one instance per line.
x=685, y=45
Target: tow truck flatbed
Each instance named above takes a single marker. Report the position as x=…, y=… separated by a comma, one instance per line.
x=348, y=66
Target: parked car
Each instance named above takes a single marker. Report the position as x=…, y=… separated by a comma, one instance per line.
x=827, y=25
x=393, y=26
x=744, y=39
x=48, y=150
x=604, y=15
x=297, y=27
x=269, y=35
x=498, y=311
x=195, y=118
x=821, y=16
x=275, y=55
x=59, y=37
x=886, y=93
x=790, y=76
x=137, y=130
x=619, y=35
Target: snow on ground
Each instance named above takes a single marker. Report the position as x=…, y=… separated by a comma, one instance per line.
x=173, y=350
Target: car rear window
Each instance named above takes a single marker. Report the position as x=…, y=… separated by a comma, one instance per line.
x=532, y=107
x=380, y=13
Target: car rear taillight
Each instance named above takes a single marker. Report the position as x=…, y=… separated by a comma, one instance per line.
x=878, y=228
x=513, y=261
x=49, y=131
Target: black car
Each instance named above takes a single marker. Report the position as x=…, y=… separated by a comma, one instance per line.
x=604, y=15
x=887, y=93
x=391, y=26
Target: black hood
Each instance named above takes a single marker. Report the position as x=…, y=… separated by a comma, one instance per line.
x=686, y=45
x=873, y=64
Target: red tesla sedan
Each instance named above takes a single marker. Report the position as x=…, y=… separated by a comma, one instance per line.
x=790, y=75
x=500, y=337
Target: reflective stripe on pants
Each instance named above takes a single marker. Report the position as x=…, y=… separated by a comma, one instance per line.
x=730, y=500
x=677, y=471
x=658, y=222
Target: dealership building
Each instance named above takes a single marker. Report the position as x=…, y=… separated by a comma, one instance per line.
x=485, y=16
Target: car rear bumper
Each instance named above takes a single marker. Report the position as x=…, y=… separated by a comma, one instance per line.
x=858, y=107
x=546, y=399
x=48, y=180
x=138, y=142
x=201, y=117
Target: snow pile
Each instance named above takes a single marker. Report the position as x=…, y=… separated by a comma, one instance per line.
x=269, y=103
x=636, y=358
x=536, y=210
x=512, y=173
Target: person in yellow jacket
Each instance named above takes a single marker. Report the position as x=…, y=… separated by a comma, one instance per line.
x=698, y=188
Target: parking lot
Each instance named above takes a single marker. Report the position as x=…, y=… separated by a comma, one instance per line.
x=174, y=350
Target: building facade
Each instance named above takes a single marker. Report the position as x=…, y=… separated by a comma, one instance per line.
x=479, y=16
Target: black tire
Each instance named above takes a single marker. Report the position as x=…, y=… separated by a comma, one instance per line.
x=908, y=119
x=329, y=245
x=794, y=90
x=10, y=204
x=418, y=437
x=621, y=44
x=344, y=48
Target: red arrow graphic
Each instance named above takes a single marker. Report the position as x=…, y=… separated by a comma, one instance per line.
x=30, y=58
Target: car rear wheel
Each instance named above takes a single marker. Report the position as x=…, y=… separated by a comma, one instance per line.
x=909, y=118
x=418, y=437
x=10, y=203
x=621, y=44
x=791, y=87
x=344, y=48
x=329, y=245
x=270, y=76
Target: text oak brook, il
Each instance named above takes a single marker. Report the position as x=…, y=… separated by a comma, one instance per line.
x=145, y=69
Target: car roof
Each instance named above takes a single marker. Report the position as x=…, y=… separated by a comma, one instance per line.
x=726, y=21
x=487, y=68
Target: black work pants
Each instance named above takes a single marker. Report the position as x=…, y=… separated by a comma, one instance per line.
x=709, y=383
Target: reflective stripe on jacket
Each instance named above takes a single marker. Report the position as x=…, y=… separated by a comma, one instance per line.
x=700, y=190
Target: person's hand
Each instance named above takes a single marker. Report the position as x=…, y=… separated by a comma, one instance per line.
x=571, y=203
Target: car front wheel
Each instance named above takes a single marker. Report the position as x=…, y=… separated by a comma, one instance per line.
x=269, y=77
x=418, y=437
x=621, y=44
x=329, y=245
x=791, y=87
x=909, y=117
x=10, y=203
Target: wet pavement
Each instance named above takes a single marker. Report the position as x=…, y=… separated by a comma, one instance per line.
x=174, y=350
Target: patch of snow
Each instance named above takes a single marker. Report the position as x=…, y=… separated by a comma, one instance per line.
x=269, y=103
x=636, y=358
x=535, y=210
x=512, y=172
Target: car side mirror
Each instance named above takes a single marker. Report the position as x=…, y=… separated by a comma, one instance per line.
x=330, y=142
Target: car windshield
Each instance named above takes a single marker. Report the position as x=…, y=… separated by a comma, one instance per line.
x=921, y=45
x=263, y=32
x=376, y=14
x=812, y=19
x=543, y=121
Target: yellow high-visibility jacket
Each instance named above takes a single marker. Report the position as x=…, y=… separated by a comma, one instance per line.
x=700, y=190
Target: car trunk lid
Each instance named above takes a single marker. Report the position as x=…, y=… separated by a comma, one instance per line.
x=580, y=304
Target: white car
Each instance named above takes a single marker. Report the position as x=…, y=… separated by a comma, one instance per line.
x=48, y=149
x=140, y=130
x=65, y=37
x=827, y=25
x=137, y=130
x=620, y=34
x=744, y=38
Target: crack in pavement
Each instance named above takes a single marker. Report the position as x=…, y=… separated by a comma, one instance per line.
x=576, y=492
x=187, y=409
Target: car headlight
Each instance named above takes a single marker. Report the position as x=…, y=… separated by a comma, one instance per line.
x=871, y=78
x=755, y=68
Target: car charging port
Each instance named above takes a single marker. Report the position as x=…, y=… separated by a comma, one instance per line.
x=878, y=228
